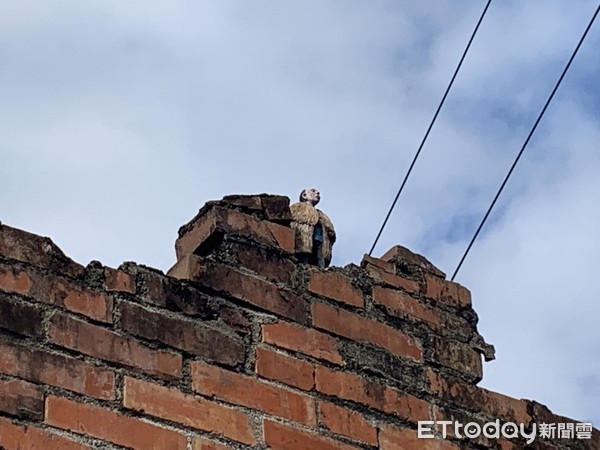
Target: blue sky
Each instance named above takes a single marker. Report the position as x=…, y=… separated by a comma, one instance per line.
x=118, y=120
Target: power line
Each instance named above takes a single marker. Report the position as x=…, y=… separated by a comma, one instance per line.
x=526, y=142
x=430, y=127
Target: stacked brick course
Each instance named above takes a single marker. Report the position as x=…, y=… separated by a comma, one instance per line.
x=240, y=347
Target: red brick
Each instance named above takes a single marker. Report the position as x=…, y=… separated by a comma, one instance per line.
x=15, y=437
x=399, y=304
x=20, y=318
x=358, y=328
x=440, y=414
x=396, y=281
x=501, y=405
x=200, y=443
x=379, y=263
x=303, y=340
x=22, y=399
x=411, y=262
x=336, y=287
x=118, y=281
x=196, y=233
x=245, y=202
x=267, y=263
x=57, y=291
x=36, y=250
x=458, y=356
x=164, y=291
x=479, y=399
x=276, y=208
x=183, y=269
x=284, y=236
x=279, y=367
x=505, y=444
x=447, y=292
x=105, y=344
x=248, y=288
x=538, y=444
x=195, y=412
x=435, y=380
x=393, y=438
x=253, y=393
x=57, y=370
x=183, y=334
x=110, y=426
x=236, y=318
x=14, y=280
x=347, y=423
x=355, y=388
x=94, y=305
x=282, y=437
x=232, y=222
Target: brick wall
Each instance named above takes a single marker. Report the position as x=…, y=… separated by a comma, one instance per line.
x=240, y=347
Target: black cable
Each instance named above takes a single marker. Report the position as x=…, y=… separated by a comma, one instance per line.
x=526, y=142
x=430, y=127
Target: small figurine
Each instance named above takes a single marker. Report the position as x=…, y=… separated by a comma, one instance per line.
x=315, y=235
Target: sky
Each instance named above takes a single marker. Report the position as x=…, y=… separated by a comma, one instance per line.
x=119, y=120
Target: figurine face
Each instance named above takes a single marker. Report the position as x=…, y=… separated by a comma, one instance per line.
x=311, y=195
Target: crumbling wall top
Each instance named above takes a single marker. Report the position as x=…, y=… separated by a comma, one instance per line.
x=242, y=346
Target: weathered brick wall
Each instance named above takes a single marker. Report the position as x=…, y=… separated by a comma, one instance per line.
x=240, y=347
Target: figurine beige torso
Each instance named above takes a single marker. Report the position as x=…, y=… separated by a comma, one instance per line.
x=315, y=234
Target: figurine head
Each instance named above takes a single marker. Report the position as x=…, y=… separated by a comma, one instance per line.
x=310, y=195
